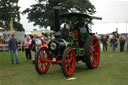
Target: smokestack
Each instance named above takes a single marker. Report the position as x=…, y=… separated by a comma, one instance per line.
x=57, y=18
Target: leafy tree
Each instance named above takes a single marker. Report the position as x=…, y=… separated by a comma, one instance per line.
x=42, y=12
x=8, y=9
x=18, y=26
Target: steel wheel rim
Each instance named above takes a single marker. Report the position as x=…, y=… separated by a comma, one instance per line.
x=94, y=52
x=69, y=62
x=42, y=60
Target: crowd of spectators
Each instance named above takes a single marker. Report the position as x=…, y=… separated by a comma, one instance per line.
x=32, y=44
x=115, y=41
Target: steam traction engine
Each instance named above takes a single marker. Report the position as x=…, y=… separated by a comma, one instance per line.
x=73, y=42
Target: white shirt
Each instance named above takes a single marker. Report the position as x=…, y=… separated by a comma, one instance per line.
x=38, y=42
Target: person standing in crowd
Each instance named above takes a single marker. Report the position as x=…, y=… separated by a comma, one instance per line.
x=122, y=43
x=104, y=42
x=33, y=49
x=42, y=41
x=38, y=43
x=0, y=40
x=113, y=43
x=12, y=45
x=27, y=44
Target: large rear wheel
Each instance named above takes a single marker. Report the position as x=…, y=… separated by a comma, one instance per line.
x=68, y=62
x=41, y=61
x=92, y=52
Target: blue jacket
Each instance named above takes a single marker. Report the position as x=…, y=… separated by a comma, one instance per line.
x=12, y=44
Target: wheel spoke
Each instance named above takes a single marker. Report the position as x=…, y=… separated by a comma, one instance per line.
x=70, y=67
x=91, y=54
x=45, y=64
x=91, y=51
x=66, y=62
x=66, y=65
x=71, y=59
x=67, y=56
x=94, y=61
x=41, y=67
x=95, y=45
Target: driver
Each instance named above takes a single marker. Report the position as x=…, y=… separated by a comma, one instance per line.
x=66, y=29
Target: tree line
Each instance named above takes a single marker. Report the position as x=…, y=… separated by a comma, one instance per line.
x=41, y=13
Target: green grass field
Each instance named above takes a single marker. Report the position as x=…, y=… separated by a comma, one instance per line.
x=112, y=70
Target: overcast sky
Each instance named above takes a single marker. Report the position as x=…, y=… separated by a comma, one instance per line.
x=113, y=12
x=24, y=4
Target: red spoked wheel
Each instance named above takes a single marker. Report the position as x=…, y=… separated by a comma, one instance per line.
x=92, y=52
x=68, y=62
x=42, y=63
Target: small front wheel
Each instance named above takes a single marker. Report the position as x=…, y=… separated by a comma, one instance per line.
x=68, y=62
x=42, y=63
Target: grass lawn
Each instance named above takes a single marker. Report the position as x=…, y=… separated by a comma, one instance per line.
x=112, y=70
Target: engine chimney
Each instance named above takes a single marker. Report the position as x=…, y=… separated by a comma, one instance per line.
x=57, y=18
